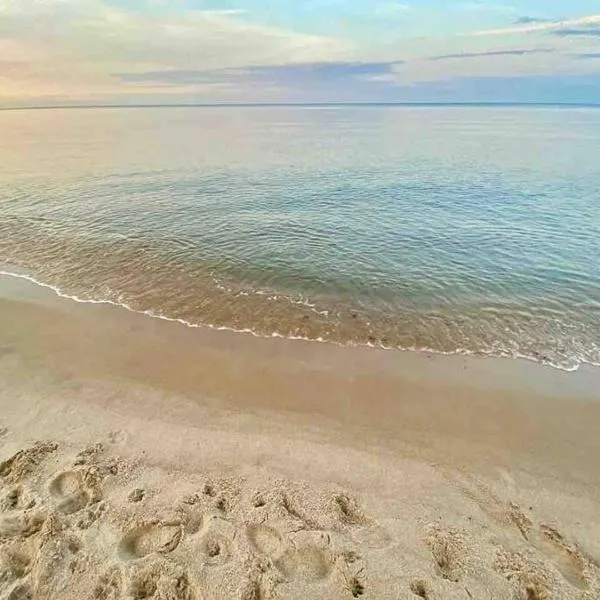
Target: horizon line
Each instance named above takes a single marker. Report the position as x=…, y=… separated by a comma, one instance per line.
x=301, y=105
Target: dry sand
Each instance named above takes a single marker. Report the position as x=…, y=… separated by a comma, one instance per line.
x=141, y=459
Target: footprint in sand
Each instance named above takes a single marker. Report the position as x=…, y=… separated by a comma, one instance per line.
x=306, y=564
x=565, y=556
x=501, y=511
x=266, y=540
x=295, y=512
x=216, y=541
x=308, y=558
x=149, y=538
x=71, y=492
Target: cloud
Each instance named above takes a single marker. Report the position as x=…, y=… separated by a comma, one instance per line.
x=521, y=52
x=112, y=51
x=171, y=76
x=315, y=82
x=583, y=32
x=291, y=75
x=571, y=24
x=524, y=62
x=71, y=48
x=530, y=20
x=330, y=71
x=587, y=55
x=347, y=80
x=95, y=32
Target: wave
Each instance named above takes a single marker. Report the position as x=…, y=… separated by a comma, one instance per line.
x=495, y=353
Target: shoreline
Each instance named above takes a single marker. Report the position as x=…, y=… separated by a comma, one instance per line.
x=4, y=274
x=194, y=463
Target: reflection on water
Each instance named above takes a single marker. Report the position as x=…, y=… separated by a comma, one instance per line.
x=454, y=229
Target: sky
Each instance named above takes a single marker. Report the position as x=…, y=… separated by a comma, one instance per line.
x=59, y=52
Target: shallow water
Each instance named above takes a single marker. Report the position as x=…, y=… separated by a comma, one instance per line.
x=451, y=229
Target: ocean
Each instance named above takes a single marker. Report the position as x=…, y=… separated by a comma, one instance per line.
x=442, y=229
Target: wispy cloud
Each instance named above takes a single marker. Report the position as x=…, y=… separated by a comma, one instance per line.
x=581, y=32
x=520, y=52
x=289, y=74
x=566, y=25
x=98, y=32
x=525, y=20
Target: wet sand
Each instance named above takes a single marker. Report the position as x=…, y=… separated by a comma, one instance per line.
x=145, y=459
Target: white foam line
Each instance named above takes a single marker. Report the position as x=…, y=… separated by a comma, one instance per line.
x=152, y=314
x=275, y=334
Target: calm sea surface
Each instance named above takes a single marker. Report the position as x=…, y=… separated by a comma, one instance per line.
x=457, y=229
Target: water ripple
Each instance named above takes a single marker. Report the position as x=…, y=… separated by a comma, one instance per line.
x=367, y=228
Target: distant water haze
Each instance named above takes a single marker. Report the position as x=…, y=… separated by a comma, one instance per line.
x=471, y=230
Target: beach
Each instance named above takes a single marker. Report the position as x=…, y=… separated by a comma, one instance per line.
x=299, y=300
x=141, y=458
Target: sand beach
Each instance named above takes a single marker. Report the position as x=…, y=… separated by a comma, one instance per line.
x=144, y=459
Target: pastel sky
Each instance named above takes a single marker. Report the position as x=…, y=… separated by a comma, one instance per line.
x=198, y=51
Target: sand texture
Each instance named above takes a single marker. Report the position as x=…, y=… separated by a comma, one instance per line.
x=113, y=520
x=116, y=486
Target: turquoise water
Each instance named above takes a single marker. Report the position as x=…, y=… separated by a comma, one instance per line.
x=454, y=229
